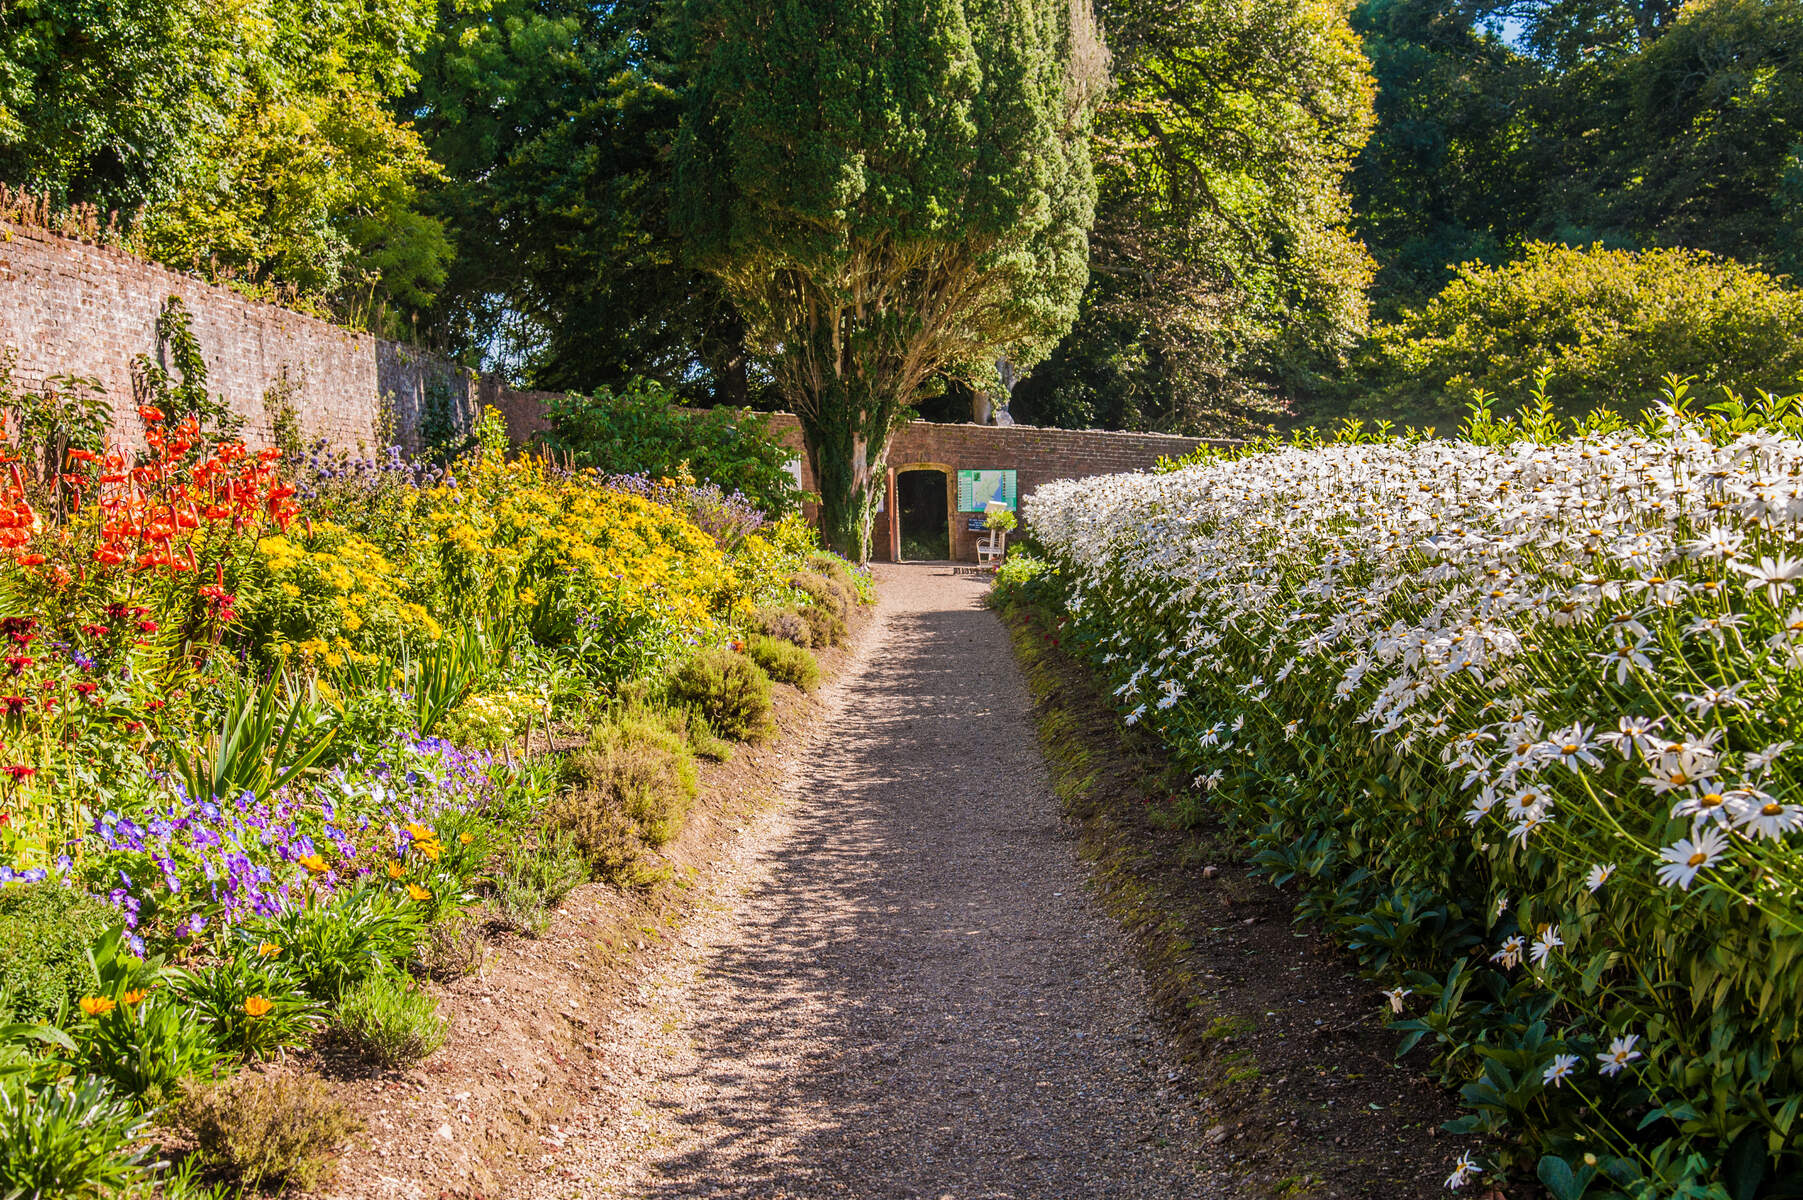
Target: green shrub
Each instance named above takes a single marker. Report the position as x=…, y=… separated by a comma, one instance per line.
x=1606, y=325
x=855, y=583
x=45, y=931
x=334, y=943
x=730, y=690
x=825, y=628
x=266, y=1129
x=836, y=597
x=607, y=838
x=389, y=1018
x=784, y=662
x=642, y=431
x=785, y=624
x=74, y=1142
x=638, y=766
x=535, y=878
x=1021, y=579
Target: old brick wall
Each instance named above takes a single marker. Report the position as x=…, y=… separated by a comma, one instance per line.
x=1038, y=456
x=71, y=308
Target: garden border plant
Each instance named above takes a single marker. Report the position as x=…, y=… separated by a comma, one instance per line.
x=1508, y=709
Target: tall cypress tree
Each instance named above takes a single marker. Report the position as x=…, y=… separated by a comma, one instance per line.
x=891, y=191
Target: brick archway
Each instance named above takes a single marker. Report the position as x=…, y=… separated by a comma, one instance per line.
x=892, y=507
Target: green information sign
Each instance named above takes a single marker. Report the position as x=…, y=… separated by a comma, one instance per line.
x=977, y=488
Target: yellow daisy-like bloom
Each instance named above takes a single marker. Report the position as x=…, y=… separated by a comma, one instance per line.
x=464, y=839
x=416, y=892
x=431, y=849
x=268, y=950
x=396, y=870
x=135, y=995
x=418, y=832
x=314, y=863
x=97, y=1006
x=258, y=1006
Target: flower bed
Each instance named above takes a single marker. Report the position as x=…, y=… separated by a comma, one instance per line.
x=262, y=752
x=1519, y=718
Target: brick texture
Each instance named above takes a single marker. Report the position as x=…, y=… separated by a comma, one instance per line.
x=71, y=308
x=1038, y=455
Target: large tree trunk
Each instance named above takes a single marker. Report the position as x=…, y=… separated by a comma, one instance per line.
x=846, y=432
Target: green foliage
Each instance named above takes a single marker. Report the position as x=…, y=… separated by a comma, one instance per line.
x=73, y=1141
x=391, y=1019
x=256, y=137
x=730, y=690
x=784, y=661
x=1604, y=326
x=554, y=120
x=250, y=1002
x=1453, y=171
x=266, y=1129
x=887, y=193
x=331, y=946
x=46, y=930
x=1223, y=276
x=535, y=878
x=146, y=1047
x=1635, y=122
x=638, y=766
x=639, y=430
x=1021, y=579
x=1689, y=140
x=269, y=735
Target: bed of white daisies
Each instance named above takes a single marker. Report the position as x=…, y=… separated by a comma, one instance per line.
x=1527, y=712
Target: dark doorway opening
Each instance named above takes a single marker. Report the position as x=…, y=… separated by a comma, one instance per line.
x=926, y=532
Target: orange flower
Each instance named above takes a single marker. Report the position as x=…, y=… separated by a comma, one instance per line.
x=268, y=950
x=313, y=863
x=396, y=870
x=135, y=995
x=416, y=892
x=97, y=1006
x=464, y=839
x=258, y=1006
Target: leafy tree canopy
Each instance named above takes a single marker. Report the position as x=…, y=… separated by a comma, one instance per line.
x=1223, y=272
x=256, y=137
x=1606, y=326
x=888, y=192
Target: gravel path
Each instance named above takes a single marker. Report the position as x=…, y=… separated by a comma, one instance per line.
x=901, y=989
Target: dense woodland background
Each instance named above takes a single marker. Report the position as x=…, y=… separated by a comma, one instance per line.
x=1286, y=192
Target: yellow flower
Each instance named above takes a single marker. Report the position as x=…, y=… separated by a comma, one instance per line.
x=268, y=950
x=431, y=849
x=258, y=1006
x=418, y=832
x=416, y=892
x=135, y=995
x=96, y=1006
x=396, y=870
x=465, y=838
x=314, y=863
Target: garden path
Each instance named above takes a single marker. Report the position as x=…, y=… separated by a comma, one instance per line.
x=901, y=988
